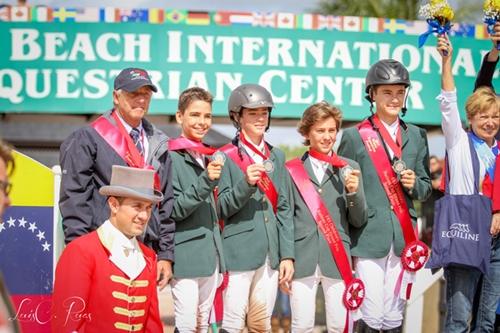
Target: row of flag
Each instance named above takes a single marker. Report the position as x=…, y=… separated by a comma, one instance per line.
x=225, y=18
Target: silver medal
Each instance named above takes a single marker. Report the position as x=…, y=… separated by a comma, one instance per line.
x=219, y=156
x=345, y=172
x=399, y=166
x=268, y=166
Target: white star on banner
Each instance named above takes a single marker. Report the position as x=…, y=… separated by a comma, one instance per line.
x=22, y=222
x=32, y=227
x=11, y=222
x=2, y=226
x=41, y=235
x=46, y=246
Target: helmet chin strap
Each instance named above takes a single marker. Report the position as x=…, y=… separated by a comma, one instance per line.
x=404, y=108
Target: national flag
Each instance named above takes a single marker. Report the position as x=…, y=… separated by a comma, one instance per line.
x=41, y=14
x=463, y=30
x=285, y=21
x=176, y=16
x=89, y=14
x=481, y=31
x=304, y=21
x=19, y=13
x=133, y=15
x=394, y=26
x=197, y=18
x=373, y=24
x=328, y=22
x=109, y=14
x=264, y=19
x=233, y=18
x=4, y=12
x=27, y=243
x=156, y=15
x=352, y=23
x=64, y=14
x=416, y=28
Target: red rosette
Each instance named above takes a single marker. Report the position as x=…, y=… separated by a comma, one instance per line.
x=354, y=294
x=414, y=256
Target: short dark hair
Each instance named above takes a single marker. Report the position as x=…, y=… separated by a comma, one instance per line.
x=193, y=94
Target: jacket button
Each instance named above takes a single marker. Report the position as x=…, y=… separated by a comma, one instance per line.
x=263, y=200
x=392, y=207
x=320, y=190
x=132, y=299
x=266, y=219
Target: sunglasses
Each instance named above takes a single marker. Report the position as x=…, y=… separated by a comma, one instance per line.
x=5, y=186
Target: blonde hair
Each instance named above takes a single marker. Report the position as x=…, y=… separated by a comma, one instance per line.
x=318, y=112
x=483, y=99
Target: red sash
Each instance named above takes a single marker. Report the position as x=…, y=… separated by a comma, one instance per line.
x=415, y=253
x=265, y=183
x=185, y=143
x=121, y=142
x=354, y=292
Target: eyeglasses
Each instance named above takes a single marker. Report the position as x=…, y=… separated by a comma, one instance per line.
x=5, y=186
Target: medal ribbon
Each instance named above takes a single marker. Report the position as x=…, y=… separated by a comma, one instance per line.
x=181, y=143
x=395, y=146
x=334, y=160
x=264, y=156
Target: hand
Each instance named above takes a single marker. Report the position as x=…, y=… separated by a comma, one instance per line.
x=164, y=273
x=352, y=181
x=254, y=173
x=408, y=178
x=495, y=224
x=214, y=169
x=286, y=274
x=444, y=45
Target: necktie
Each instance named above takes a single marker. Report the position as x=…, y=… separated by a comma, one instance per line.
x=135, y=134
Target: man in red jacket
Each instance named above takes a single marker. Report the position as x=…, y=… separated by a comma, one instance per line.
x=106, y=280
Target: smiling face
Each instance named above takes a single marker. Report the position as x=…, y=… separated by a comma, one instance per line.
x=389, y=100
x=133, y=106
x=485, y=124
x=322, y=135
x=130, y=215
x=196, y=120
x=253, y=123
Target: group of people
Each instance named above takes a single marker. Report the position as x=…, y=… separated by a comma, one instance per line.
x=141, y=210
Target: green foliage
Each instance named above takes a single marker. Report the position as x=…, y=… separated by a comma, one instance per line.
x=465, y=10
x=293, y=151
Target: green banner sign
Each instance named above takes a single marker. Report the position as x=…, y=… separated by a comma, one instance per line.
x=70, y=67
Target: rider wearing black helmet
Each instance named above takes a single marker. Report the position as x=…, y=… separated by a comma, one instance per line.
x=378, y=245
x=258, y=231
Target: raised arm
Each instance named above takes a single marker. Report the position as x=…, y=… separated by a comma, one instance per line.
x=487, y=70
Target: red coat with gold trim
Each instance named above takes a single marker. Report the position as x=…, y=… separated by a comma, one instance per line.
x=91, y=294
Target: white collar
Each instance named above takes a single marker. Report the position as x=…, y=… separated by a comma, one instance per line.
x=128, y=128
x=391, y=128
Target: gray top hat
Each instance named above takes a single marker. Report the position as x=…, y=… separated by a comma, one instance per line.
x=132, y=183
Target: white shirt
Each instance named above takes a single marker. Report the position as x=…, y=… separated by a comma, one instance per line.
x=125, y=253
x=144, y=137
x=256, y=157
x=198, y=157
x=457, y=147
x=319, y=168
x=393, y=131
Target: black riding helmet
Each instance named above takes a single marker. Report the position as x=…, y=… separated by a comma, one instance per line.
x=386, y=71
x=249, y=96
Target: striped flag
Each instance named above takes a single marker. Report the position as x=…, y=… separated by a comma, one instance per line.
x=264, y=19
x=304, y=21
x=233, y=18
x=198, y=18
x=108, y=14
x=481, y=31
x=176, y=16
x=4, y=12
x=285, y=21
x=328, y=22
x=62, y=14
x=373, y=24
x=88, y=14
x=156, y=15
x=20, y=13
x=352, y=23
x=41, y=14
